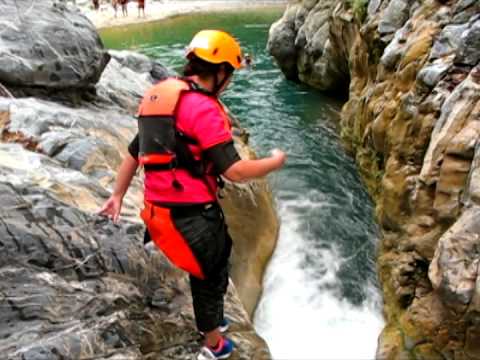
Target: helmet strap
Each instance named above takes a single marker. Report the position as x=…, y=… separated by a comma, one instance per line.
x=218, y=85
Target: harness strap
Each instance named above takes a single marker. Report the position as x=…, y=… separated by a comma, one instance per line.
x=183, y=158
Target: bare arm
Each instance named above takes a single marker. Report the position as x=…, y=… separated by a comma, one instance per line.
x=125, y=174
x=248, y=169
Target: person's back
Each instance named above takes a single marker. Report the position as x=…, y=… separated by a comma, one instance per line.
x=199, y=117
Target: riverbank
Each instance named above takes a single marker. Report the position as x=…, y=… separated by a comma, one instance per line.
x=158, y=10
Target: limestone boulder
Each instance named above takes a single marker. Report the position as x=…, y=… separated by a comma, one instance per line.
x=303, y=44
x=48, y=44
x=281, y=42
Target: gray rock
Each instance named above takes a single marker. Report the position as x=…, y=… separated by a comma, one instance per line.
x=472, y=191
x=456, y=112
x=469, y=50
x=300, y=17
x=454, y=268
x=373, y=6
x=80, y=153
x=159, y=72
x=281, y=42
x=394, y=16
x=443, y=16
x=78, y=286
x=448, y=41
x=465, y=11
x=140, y=63
x=122, y=86
x=36, y=119
x=394, y=51
x=134, y=61
x=463, y=4
x=414, y=6
x=91, y=138
x=45, y=43
x=431, y=74
x=302, y=44
x=310, y=4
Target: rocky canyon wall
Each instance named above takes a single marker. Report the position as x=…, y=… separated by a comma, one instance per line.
x=412, y=121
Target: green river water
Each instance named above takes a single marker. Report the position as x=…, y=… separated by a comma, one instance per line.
x=321, y=281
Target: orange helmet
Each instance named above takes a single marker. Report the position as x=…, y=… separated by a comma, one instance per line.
x=215, y=46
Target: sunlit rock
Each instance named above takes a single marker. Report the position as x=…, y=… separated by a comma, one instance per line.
x=46, y=43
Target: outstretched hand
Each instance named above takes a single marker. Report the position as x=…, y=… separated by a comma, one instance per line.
x=112, y=208
x=279, y=156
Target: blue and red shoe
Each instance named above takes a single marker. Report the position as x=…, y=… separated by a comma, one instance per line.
x=224, y=325
x=223, y=350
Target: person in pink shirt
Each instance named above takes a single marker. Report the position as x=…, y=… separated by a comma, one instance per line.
x=182, y=214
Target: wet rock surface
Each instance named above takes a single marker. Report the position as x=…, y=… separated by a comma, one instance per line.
x=412, y=123
x=74, y=285
x=46, y=43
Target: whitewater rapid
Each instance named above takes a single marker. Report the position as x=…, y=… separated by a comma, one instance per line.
x=302, y=314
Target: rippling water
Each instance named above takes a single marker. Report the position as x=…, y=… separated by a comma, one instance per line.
x=320, y=300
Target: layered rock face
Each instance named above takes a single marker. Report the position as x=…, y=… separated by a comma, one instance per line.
x=73, y=284
x=412, y=122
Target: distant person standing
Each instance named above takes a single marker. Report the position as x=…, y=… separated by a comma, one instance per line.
x=115, y=6
x=124, y=4
x=96, y=4
x=141, y=7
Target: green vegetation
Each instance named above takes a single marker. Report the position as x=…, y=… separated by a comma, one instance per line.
x=359, y=8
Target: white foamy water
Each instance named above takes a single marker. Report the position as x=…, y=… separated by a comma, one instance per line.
x=301, y=314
